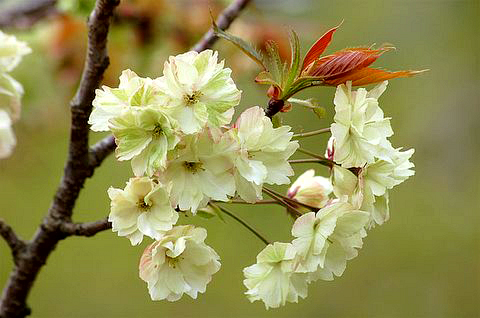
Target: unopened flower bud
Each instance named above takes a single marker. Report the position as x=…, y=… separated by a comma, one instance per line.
x=311, y=190
x=330, y=151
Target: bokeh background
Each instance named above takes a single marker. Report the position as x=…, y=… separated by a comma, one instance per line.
x=424, y=262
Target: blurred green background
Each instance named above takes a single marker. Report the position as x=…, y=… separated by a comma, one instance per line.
x=424, y=262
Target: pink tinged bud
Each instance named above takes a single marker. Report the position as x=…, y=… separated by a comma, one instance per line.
x=311, y=190
x=330, y=151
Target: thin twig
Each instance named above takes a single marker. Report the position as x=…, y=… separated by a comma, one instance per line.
x=101, y=150
x=245, y=202
x=223, y=22
x=86, y=229
x=26, y=13
x=242, y=222
x=15, y=243
x=290, y=208
x=323, y=160
x=291, y=201
x=312, y=133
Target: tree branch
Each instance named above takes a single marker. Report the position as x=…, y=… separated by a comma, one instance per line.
x=223, y=22
x=106, y=146
x=16, y=244
x=86, y=229
x=77, y=169
x=101, y=150
x=26, y=13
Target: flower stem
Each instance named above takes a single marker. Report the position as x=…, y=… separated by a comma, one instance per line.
x=292, y=210
x=242, y=222
x=291, y=201
x=245, y=202
x=321, y=159
x=312, y=133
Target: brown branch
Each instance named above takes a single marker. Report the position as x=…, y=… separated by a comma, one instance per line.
x=101, y=150
x=223, y=22
x=106, y=146
x=86, y=229
x=77, y=169
x=26, y=13
x=16, y=244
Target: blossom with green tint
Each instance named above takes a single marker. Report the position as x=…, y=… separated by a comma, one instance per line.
x=141, y=208
x=327, y=239
x=273, y=279
x=11, y=93
x=179, y=263
x=360, y=130
x=198, y=91
x=7, y=137
x=144, y=135
x=132, y=92
x=381, y=176
x=202, y=171
x=11, y=52
x=263, y=153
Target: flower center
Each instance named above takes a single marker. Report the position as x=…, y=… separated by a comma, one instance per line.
x=157, y=131
x=193, y=166
x=192, y=99
x=142, y=205
x=172, y=261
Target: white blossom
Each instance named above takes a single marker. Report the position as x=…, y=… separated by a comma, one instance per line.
x=142, y=208
x=198, y=90
x=7, y=137
x=310, y=189
x=381, y=176
x=144, y=135
x=11, y=93
x=360, y=129
x=273, y=278
x=132, y=92
x=178, y=263
x=327, y=239
x=263, y=153
x=201, y=171
x=11, y=52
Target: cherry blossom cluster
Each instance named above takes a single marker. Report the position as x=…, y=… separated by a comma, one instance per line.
x=187, y=156
x=364, y=168
x=175, y=131
x=11, y=53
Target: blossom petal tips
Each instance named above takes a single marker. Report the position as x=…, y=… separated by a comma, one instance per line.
x=273, y=279
x=178, y=263
x=141, y=208
x=263, y=153
x=199, y=90
x=360, y=128
x=133, y=92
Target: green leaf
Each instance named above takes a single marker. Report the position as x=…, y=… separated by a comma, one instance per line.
x=295, y=59
x=302, y=83
x=265, y=77
x=247, y=48
x=274, y=63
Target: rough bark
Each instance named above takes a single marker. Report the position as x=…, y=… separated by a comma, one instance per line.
x=34, y=254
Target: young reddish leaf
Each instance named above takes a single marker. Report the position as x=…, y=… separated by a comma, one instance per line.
x=319, y=47
x=367, y=76
x=343, y=61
